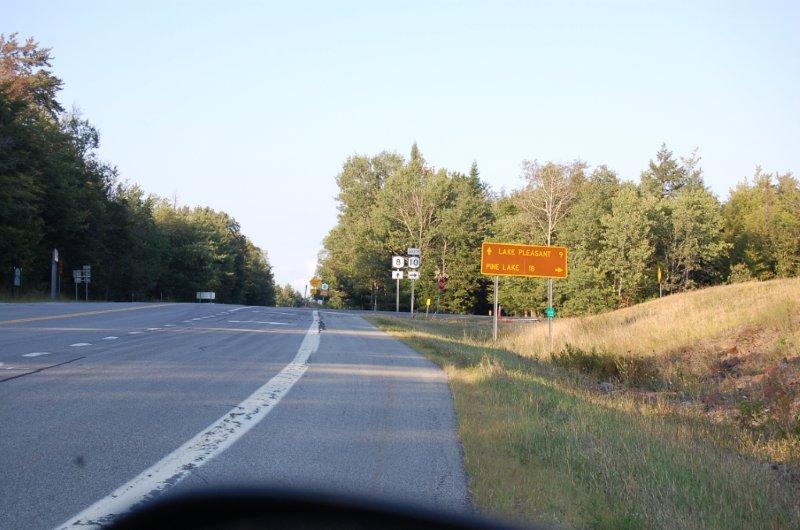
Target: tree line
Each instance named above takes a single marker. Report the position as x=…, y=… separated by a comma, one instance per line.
x=619, y=233
x=56, y=193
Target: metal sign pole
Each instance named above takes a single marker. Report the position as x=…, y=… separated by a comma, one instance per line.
x=549, y=316
x=86, y=286
x=496, y=296
x=53, y=265
x=397, y=298
x=412, y=298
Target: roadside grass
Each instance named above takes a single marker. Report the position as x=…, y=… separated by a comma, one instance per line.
x=669, y=324
x=731, y=352
x=542, y=444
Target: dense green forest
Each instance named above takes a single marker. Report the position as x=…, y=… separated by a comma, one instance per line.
x=619, y=233
x=56, y=193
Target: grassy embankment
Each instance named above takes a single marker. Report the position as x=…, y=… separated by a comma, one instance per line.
x=676, y=413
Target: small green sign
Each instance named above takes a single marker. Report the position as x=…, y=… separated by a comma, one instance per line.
x=550, y=312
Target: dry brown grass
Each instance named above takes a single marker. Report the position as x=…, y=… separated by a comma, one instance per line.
x=729, y=352
x=674, y=323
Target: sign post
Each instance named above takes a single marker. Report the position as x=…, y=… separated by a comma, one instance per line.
x=17, y=281
x=496, y=287
x=397, y=275
x=53, y=265
x=413, y=275
x=77, y=277
x=87, y=278
x=441, y=283
x=532, y=261
x=398, y=262
x=550, y=313
x=659, y=281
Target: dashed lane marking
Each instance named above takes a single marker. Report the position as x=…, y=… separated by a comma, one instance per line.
x=259, y=322
x=209, y=443
x=36, y=353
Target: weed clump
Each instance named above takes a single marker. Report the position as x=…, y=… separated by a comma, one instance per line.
x=633, y=371
x=776, y=412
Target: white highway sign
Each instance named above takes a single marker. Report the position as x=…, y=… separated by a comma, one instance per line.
x=398, y=262
x=397, y=275
x=413, y=275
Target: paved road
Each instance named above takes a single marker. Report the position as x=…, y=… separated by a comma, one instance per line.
x=153, y=399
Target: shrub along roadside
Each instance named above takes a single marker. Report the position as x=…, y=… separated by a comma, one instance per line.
x=538, y=447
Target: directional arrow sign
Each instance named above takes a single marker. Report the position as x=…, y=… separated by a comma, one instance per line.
x=511, y=259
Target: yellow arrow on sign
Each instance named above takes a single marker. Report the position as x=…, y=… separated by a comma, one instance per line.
x=489, y=250
x=559, y=269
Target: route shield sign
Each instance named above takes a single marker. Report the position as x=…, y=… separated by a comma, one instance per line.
x=550, y=312
x=535, y=261
x=324, y=286
x=398, y=262
x=413, y=262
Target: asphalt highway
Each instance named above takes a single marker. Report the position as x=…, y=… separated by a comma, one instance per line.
x=103, y=406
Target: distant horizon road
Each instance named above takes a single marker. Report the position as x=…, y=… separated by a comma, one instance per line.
x=103, y=405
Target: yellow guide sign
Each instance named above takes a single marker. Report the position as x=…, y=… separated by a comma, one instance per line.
x=511, y=259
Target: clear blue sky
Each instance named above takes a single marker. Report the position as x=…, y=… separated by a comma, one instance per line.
x=251, y=107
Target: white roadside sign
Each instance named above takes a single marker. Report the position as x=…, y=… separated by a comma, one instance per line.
x=413, y=275
x=413, y=262
x=398, y=262
x=397, y=275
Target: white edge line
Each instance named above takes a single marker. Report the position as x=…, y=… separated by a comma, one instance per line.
x=207, y=444
x=35, y=354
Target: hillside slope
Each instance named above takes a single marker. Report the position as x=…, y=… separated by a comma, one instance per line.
x=732, y=352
